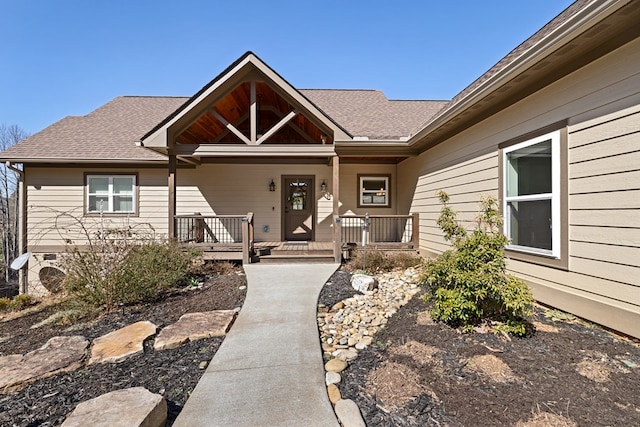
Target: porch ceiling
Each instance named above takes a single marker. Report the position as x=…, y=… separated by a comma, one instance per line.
x=235, y=109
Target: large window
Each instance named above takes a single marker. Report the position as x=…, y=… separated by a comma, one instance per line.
x=111, y=193
x=531, y=195
x=374, y=191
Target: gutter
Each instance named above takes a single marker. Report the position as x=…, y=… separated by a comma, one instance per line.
x=78, y=160
x=583, y=20
x=22, y=229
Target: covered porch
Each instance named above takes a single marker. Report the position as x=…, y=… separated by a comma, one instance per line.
x=232, y=238
x=255, y=170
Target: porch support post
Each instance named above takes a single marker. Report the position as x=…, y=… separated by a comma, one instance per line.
x=337, y=227
x=415, y=238
x=171, y=184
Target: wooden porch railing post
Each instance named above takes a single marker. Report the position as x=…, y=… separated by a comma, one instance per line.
x=337, y=238
x=415, y=228
x=247, y=238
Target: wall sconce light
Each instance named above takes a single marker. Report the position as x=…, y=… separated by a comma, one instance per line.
x=323, y=190
x=272, y=185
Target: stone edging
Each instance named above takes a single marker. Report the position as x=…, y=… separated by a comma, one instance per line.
x=350, y=325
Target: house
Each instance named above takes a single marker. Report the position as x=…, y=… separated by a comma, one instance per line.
x=552, y=131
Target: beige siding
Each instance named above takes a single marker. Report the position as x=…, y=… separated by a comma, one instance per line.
x=604, y=197
x=55, y=212
x=55, y=205
x=600, y=101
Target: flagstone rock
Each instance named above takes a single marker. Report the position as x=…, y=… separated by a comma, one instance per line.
x=195, y=326
x=132, y=407
x=59, y=354
x=349, y=414
x=116, y=346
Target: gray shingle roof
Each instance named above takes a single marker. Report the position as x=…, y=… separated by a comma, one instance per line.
x=108, y=133
x=368, y=113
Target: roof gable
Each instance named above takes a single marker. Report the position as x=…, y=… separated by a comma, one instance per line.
x=228, y=110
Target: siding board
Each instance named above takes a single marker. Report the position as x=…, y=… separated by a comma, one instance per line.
x=606, y=235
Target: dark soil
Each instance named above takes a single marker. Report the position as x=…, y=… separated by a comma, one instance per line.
x=431, y=374
x=413, y=375
x=172, y=373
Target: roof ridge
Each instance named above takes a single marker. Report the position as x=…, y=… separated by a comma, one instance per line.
x=152, y=96
x=344, y=90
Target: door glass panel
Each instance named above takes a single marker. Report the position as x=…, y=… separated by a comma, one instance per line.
x=298, y=195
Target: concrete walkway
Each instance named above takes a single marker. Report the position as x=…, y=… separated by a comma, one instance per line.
x=269, y=369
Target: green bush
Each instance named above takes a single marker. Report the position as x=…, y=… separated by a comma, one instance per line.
x=468, y=283
x=382, y=261
x=114, y=272
x=18, y=302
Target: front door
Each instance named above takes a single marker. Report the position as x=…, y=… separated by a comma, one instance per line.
x=299, y=207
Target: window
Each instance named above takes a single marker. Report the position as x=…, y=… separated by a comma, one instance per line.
x=374, y=191
x=531, y=195
x=111, y=193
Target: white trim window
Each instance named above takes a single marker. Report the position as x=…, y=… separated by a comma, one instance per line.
x=531, y=195
x=111, y=193
x=374, y=191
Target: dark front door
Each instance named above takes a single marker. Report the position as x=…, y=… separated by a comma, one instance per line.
x=299, y=207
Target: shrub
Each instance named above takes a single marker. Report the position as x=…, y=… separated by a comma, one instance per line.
x=468, y=283
x=381, y=261
x=114, y=272
x=19, y=302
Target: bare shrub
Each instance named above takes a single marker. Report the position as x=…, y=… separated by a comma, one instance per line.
x=382, y=261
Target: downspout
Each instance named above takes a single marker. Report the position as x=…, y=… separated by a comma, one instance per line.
x=22, y=241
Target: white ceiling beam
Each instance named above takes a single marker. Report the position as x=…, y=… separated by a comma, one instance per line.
x=253, y=113
x=286, y=119
x=231, y=127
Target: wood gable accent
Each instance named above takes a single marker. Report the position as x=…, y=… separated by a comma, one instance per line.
x=247, y=106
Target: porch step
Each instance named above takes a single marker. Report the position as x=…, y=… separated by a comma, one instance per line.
x=302, y=252
x=295, y=258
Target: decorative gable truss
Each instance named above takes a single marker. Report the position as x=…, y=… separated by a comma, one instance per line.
x=247, y=107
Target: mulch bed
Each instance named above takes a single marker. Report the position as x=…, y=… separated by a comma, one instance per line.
x=413, y=375
x=172, y=373
x=572, y=372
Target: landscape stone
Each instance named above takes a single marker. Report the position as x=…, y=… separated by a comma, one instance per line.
x=58, y=354
x=345, y=354
x=359, y=317
x=335, y=365
x=332, y=378
x=131, y=407
x=349, y=414
x=363, y=282
x=116, y=346
x=334, y=393
x=195, y=326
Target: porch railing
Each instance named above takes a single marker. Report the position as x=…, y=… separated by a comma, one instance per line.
x=381, y=229
x=217, y=230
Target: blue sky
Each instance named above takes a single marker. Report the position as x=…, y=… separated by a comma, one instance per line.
x=68, y=57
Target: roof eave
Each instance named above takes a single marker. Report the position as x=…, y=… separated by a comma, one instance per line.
x=59, y=160
x=584, y=19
